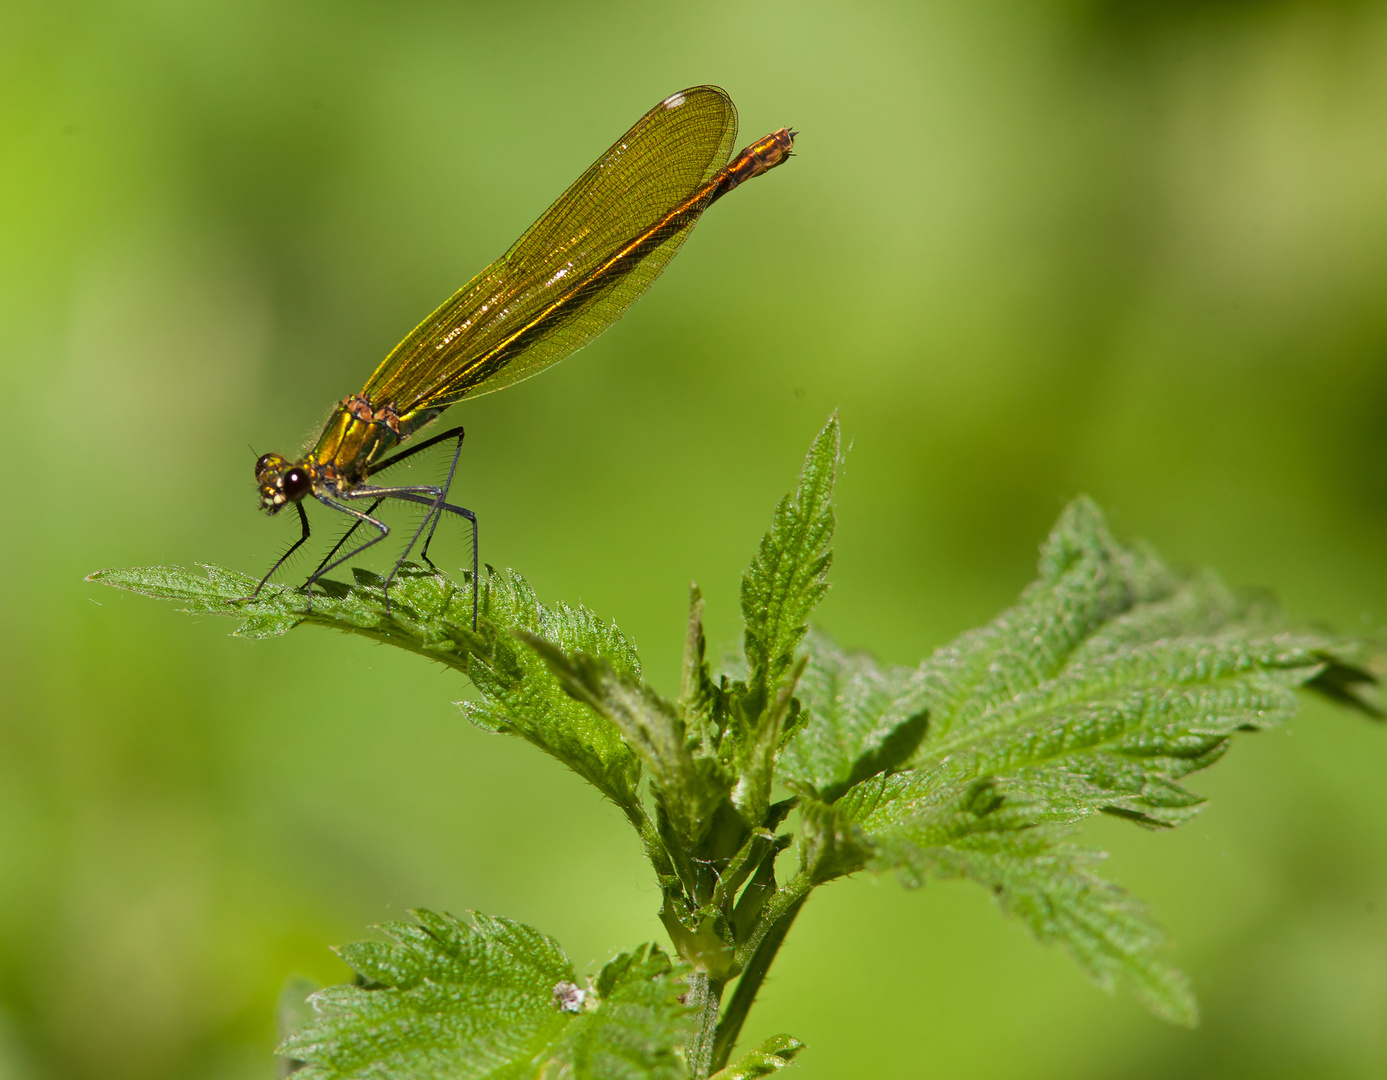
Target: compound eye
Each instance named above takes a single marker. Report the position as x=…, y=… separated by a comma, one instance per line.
x=267, y=464
x=297, y=483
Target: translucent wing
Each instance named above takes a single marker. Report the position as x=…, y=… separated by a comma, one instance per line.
x=577, y=269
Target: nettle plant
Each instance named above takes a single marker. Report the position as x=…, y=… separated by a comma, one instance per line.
x=1111, y=679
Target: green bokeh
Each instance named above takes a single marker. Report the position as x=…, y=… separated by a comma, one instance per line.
x=1028, y=248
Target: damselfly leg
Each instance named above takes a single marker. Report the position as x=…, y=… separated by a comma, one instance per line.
x=432, y=496
x=303, y=521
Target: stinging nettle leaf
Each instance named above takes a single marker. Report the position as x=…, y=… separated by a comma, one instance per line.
x=639, y=1027
x=478, y=999
x=832, y=843
x=921, y=829
x=787, y=578
x=691, y=784
x=1109, y=681
x=703, y=703
x=861, y=720
x=757, y=756
x=522, y=696
x=431, y=614
x=769, y=1057
x=444, y=997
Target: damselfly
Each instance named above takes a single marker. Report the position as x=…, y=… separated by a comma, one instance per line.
x=571, y=275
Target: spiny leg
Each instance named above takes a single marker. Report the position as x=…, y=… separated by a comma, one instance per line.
x=361, y=519
x=395, y=459
x=435, y=514
x=438, y=514
x=338, y=546
x=413, y=493
x=303, y=520
x=470, y=518
x=451, y=433
x=405, y=495
x=437, y=506
x=437, y=510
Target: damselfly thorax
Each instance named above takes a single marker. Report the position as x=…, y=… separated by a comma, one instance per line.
x=356, y=436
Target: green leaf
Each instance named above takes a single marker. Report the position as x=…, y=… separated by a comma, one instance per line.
x=690, y=784
x=445, y=997
x=521, y=696
x=832, y=843
x=756, y=756
x=861, y=721
x=220, y=592
x=1110, y=680
x=292, y=1009
x=640, y=1024
x=920, y=826
x=786, y=580
x=770, y=1057
x=493, y=999
x=703, y=702
x=430, y=614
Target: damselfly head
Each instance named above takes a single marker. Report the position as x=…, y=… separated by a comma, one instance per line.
x=281, y=482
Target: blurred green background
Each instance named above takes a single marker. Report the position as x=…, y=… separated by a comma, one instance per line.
x=1028, y=248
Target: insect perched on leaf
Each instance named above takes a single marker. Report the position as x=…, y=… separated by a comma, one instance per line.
x=571, y=275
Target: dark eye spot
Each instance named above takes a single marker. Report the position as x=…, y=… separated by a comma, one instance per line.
x=297, y=484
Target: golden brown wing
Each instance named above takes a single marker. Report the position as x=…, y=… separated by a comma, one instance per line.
x=577, y=269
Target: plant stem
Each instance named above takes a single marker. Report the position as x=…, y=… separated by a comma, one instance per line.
x=782, y=916
x=705, y=995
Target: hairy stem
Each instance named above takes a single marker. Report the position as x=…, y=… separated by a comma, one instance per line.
x=705, y=995
x=779, y=918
